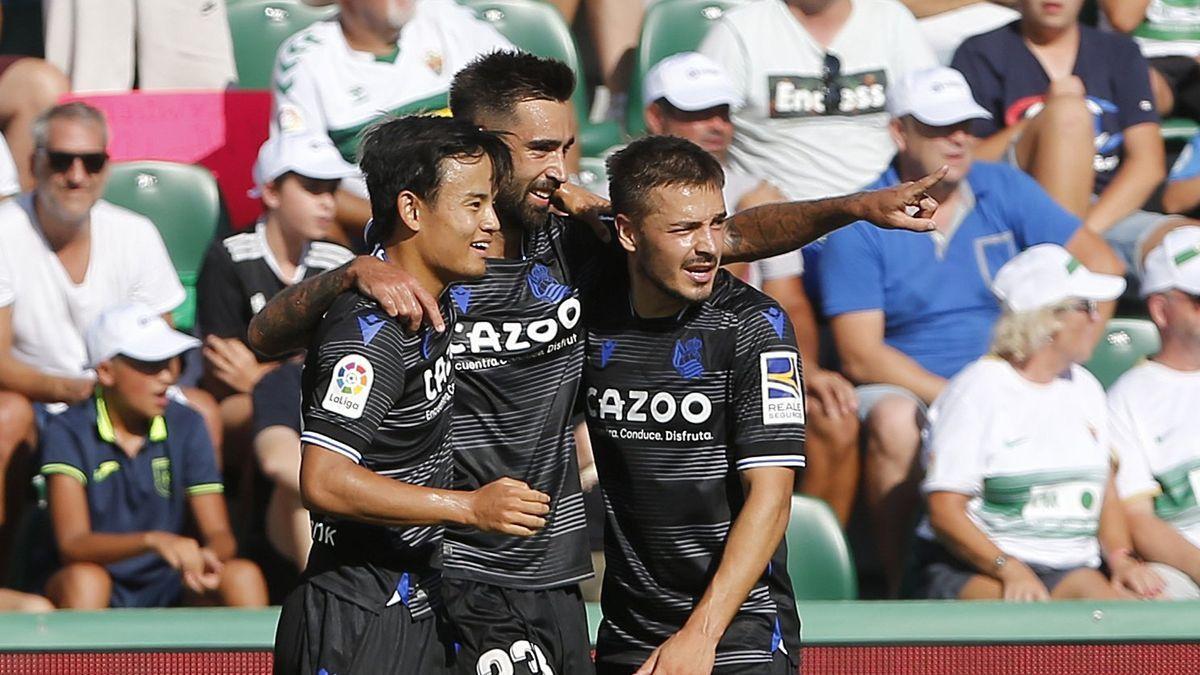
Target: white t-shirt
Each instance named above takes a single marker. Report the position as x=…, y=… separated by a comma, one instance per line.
x=1156, y=435
x=50, y=313
x=1033, y=457
x=782, y=131
x=321, y=84
x=10, y=183
x=946, y=31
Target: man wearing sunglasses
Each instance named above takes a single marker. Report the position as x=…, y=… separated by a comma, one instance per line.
x=65, y=256
x=816, y=76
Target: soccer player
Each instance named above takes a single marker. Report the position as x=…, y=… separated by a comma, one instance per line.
x=377, y=460
x=519, y=347
x=694, y=399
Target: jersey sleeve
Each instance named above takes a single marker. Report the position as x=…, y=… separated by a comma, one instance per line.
x=767, y=391
x=1033, y=215
x=295, y=98
x=359, y=377
x=971, y=60
x=1131, y=84
x=200, y=473
x=61, y=450
x=154, y=281
x=1134, y=477
x=851, y=272
x=954, y=443
x=219, y=302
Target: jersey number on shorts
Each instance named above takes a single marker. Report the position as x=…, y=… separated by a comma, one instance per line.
x=499, y=662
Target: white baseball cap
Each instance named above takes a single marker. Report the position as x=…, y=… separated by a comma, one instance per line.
x=309, y=154
x=136, y=331
x=937, y=96
x=690, y=81
x=1046, y=274
x=1175, y=263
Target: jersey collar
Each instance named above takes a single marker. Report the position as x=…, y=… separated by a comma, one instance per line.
x=104, y=426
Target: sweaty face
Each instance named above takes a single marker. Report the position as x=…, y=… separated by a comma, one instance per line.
x=457, y=227
x=69, y=194
x=304, y=206
x=141, y=385
x=1050, y=13
x=539, y=134
x=928, y=147
x=677, y=244
x=710, y=129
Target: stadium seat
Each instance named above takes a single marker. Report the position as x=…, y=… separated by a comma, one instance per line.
x=593, y=175
x=1124, y=342
x=669, y=27
x=1179, y=130
x=183, y=202
x=819, y=561
x=538, y=28
x=258, y=27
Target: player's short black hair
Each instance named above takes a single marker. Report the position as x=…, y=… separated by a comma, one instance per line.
x=493, y=84
x=407, y=153
x=654, y=162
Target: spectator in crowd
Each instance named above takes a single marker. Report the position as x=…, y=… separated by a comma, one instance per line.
x=65, y=256
x=1065, y=98
x=614, y=27
x=946, y=23
x=155, y=44
x=908, y=311
x=1169, y=36
x=816, y=76
x=376, y=56
x=296, y=175
x=28, y=86
x=1182, y=191
x=124, y=469
x=10, y=180
x=1152, y=408
x=690, y=96
x=1020, y=479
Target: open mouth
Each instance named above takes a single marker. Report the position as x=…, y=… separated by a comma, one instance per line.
x=700, y=273
x=481, y=246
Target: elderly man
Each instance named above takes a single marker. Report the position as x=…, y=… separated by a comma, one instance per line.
x=908, y=311
x=1152, y=410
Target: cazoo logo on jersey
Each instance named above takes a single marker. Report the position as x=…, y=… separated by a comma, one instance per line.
x=639, y=406
x=482, y=337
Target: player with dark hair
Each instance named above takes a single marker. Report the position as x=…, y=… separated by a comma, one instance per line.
x=519, y=346
x=377, y=462
x=694, y=398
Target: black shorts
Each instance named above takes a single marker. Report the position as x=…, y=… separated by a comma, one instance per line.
x=503, y=630
x=276, y=398
x=943, y=575
x=321, y=632
x=780, y=665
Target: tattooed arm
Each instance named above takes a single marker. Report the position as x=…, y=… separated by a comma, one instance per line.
x=286, y=322
x=772, y=229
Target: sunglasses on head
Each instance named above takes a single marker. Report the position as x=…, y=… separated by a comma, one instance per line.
x=93, y=162
x=830, y=73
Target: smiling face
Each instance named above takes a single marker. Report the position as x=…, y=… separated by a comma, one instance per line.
x=455, y=228
x=676, y=245
x=539, y=133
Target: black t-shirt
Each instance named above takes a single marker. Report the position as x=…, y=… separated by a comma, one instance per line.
x=677, y=408
x=240, y=275
x=518, y=355
x=381, y=398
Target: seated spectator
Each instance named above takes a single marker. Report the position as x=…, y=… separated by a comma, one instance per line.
x=1020, y=477
x=1068, y=101
x=691, y=96
x=1168, y=34
x=296, y=175
x=946, y=23
x=1153, y=408
x=65, y=256
x=375, y=57
x=816, y=76
x=156, y=44
x=124, y=469
x=908, y=311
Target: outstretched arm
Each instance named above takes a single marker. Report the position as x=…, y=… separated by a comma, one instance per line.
x=772, y=229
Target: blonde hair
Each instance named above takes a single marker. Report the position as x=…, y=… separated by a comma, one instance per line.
x=1018, y=335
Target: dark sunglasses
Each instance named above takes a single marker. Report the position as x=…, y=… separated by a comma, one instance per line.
x=829, y=80
x=93, y=162
x=1089, y=306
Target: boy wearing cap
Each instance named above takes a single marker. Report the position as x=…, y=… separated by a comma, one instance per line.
x=296, y=176
x=1153, y=407
x=909, y=312
x=125, y=468
x=689, y=95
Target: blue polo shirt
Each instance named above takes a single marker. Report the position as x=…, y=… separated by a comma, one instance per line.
x=935, y=293
x=145, y=492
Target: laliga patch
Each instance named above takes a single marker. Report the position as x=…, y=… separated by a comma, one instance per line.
x=349, y=387
x=782, y=395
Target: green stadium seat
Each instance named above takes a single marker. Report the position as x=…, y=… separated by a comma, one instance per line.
x=593, y=175
x=669, y=27
x=819, y=561
x=1125, y=342
x=1179, y=130
x=183, y=202
x=258, y=27
x=538, y=28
